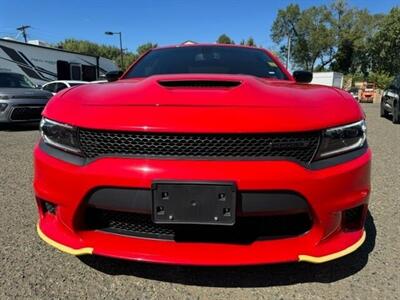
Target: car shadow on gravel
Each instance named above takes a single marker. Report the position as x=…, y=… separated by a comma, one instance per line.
x=251, y=276
x=19, y=127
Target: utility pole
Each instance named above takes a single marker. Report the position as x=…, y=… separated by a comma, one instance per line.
x=122, y=50
x=23, y=29
x=289, y=44
x=120, y=45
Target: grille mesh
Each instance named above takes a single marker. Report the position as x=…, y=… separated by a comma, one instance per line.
x=246, y=229
x=24, y=113
x=298, y=146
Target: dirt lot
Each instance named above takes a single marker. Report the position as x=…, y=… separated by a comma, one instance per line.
x=31, y=269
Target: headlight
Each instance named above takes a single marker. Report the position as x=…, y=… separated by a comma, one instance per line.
x=3, y=106
x=62, y=136
x=342, y=139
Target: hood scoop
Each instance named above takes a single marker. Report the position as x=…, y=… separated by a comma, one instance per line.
x=199, y=83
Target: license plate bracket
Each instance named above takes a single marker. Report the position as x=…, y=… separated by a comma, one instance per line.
x=202, y=203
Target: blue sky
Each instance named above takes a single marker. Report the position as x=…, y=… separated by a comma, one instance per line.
x=162, y=21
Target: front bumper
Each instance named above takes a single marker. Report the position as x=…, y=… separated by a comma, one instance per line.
x=19, y=111
x=329, y=191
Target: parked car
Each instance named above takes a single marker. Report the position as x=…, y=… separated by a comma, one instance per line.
x=368, y=91
x=204, y=155
x=20, y=99
x=390, y=103
x=58, y=85
x=354, y=92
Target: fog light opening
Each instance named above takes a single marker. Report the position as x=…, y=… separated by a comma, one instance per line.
x=49, y=207
x=353, y=219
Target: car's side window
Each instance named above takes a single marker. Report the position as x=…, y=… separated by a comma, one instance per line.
x=50, y=87
x=60, y=86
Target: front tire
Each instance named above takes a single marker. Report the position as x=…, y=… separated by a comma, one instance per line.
x=396, y=113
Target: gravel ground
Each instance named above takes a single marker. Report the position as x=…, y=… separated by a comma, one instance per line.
x=31, y=269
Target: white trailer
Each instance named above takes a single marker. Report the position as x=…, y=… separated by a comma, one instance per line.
x=42, y=64
x=328, y=78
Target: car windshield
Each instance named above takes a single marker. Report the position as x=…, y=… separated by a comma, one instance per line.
x=14, y=80
x=207, y=60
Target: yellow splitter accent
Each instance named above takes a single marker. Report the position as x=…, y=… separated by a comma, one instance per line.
x=322, y=259
x=63, y=248
x=305, y=258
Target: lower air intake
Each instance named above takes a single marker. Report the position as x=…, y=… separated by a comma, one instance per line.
x=246, y=230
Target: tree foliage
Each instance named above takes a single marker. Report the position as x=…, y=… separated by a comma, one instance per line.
x=224, y=39
x=385, y=44
x=110, y=52
x=249, y=42
x=309, y=33
x=145, y=47
x=335, y=37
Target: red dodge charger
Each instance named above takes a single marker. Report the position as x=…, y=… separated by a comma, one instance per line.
x=204, y=155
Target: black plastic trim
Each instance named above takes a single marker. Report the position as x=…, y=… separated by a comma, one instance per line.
x=62, y=155
x=339, y=159
x=121, y=199
x=250, y=203
x=272, y=203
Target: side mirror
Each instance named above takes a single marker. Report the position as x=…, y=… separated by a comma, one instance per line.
x=38, y=86
x=303, y=76
x=113, y=75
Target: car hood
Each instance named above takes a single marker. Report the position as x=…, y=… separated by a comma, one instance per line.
x=24, y=93
x=209, y=103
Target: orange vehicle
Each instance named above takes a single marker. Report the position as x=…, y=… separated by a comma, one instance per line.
x=367, y=92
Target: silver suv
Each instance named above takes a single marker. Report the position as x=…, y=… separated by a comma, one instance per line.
x=390, y=103
x=20, y=99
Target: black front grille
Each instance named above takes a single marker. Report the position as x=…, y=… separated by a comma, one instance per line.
x=246, y=229
x=298, y=146
x=27, y=113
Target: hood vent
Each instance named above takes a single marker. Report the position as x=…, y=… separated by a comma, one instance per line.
x=199, y=83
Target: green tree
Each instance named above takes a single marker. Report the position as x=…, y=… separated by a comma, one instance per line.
x=224, y=39
x=145, y=47
x=335, y=37
x=385, y=44
x=110, y=52
x=250, y=42
x=308, y=31
x=381, y=79
x=353, y=28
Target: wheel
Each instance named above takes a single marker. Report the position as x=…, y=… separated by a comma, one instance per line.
x=396, y=113
x=383, y=113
